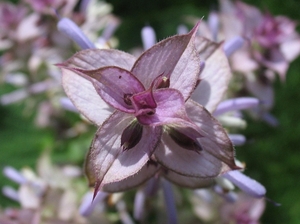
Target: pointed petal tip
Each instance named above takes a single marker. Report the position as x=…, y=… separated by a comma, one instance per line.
x=195, y=28
x=96, y=190
x=235, y=167
x=60, y=65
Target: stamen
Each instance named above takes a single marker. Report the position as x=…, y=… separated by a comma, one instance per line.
x=127, y=99
x=161, y=82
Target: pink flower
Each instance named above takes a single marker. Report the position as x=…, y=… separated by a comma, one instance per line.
x=145, y=114
x=246, y=210
x=273, y=40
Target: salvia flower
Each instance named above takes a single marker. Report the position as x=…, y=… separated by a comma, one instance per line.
x=144, y=114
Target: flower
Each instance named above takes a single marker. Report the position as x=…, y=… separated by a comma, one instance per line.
x=245, y=210
x=145, y=114
x=273, y=40
x=47, y=195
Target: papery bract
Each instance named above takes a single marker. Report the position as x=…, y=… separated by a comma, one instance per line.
x=153, y=93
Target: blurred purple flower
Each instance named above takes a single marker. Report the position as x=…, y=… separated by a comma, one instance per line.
x=246, y=210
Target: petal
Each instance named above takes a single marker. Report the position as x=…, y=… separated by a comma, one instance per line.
x=170, y=202
x=85, y=98
x=291, y=48
x=233, y=45
x=11, y=193
x=213, y=23
x=275, y=61
x=216, y=157
x=148, y=37
x=175, y=57
x=186, y=162
x=115, y=86
x=245, y=183
x=69, y=28
x=67, y=104
x=215, y=136
x=89, y=203
x=107, y=162
x=80, y=89
x=270, y=119
x=262, y=90
x=96, y=58
x=146, y=172
x=237, y=139
x=189, y=182
x=139, y=205
x=14, y=175
x=236, y=104
x=215, y=76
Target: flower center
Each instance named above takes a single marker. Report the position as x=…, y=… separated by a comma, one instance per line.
x=144, y=103
x=127, y=99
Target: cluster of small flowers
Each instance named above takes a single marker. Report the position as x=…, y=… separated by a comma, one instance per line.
x=268, y=44
x=170, y=114
x=31, y=44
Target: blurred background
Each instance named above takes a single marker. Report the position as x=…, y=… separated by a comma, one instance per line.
x=271, y=153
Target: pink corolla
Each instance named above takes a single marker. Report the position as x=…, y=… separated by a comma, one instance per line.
x=145, y=115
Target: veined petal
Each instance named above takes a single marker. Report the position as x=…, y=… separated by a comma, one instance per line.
x=216, y=157
x=146, y=172
x=115, y=86
x=175, y=57
x=215, y=140
x=189, y=182
x=215, y=76
x=84, y=96
x=198, y=164
x=92, y=59
x=107, y=162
